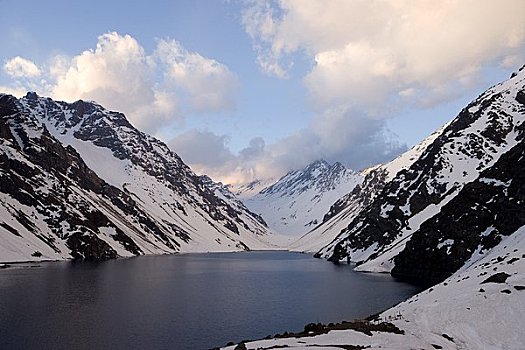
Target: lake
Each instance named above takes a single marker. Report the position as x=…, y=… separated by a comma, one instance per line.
x=192, y=301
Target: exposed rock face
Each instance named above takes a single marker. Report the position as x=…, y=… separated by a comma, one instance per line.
x=79, y=181
x=323, y=239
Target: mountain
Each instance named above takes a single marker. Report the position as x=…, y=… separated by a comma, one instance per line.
x=79, y=181
x=297, y=202
x=250, y=189
x=352, y=203
x=456, y=199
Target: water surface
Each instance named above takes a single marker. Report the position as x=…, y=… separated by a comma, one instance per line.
x=194, y=301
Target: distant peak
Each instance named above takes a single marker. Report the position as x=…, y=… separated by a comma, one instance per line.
x=321, y=163
x=31, y=95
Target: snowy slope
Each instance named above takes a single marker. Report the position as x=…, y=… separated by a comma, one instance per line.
x=346, y=208
x=474, y=141
x=251, y=189
x=170, y=208
x=298, y=201
x=479, y=307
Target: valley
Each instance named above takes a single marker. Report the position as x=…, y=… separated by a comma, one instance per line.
x=79, y=182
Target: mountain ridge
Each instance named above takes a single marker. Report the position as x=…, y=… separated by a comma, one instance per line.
x=485, y=130
x=172, y=209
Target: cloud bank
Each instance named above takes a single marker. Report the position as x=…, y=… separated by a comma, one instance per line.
x=364, y=51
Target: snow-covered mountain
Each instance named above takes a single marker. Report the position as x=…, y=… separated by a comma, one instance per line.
x=421, y=199
x=348, y=206
x=297, y=202
x=80, y=181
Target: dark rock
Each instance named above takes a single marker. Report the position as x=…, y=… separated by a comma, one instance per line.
x=499, y=277
x=447, y=337
x=478, y=206
x=241, y=346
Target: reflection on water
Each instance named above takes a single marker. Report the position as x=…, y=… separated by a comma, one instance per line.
x=193, y=301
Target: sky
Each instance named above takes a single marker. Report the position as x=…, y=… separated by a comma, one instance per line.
x=249, y=89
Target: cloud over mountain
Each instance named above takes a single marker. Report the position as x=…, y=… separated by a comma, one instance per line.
x=367, y=51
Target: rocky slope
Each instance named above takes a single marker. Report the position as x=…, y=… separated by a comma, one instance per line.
x=297, y=202
x=79, y=181
x=479, y=139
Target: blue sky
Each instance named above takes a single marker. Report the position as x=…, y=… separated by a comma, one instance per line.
x=251, y=89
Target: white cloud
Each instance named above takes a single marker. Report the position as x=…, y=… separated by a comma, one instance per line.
x=209, y=84
x=117, y=74
x=363, y=51
x=153, y=90
x=19, y=67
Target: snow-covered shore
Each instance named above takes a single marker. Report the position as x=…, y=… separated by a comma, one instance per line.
x=482, y=306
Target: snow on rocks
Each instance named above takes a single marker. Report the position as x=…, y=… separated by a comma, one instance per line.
x=297, y=202
x=84, y=183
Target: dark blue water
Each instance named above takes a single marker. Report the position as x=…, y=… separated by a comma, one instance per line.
x=194, y=301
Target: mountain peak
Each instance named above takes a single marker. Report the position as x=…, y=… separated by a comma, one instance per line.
x=298, y=201
x=320, y=163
